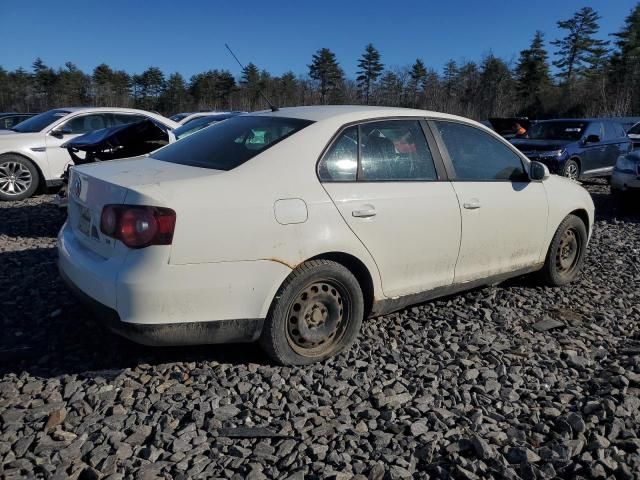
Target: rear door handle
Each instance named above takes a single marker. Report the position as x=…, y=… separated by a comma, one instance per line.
x=472, y=204
x=369, y=212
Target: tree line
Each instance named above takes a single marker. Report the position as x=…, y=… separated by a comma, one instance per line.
x=592, y=77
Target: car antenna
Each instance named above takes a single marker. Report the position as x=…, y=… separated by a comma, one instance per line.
x=271, y=105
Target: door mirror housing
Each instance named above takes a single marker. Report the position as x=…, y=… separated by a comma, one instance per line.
x=592, y=139
x=538, y=171
x=61, y=132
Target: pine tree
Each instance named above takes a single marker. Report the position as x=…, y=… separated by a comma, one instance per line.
x=625, y=66
x=532, y=75
x=418, y=76
x=72, y=86
x=418, y=73
x=450, y=75
x=496, y=94
x=286, y=87
x=151, y=84
x=325, y=69
x=44, y=79
x=390, y=89
x=251, y=82
x=580, y=54
x=370, y=69
x=175, y=97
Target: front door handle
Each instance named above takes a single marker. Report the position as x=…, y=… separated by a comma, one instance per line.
x=367, y=213
x=472, y=204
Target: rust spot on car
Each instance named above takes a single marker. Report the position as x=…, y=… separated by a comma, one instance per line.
x=282, y=262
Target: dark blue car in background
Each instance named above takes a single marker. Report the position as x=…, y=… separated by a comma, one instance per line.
x=576, y=148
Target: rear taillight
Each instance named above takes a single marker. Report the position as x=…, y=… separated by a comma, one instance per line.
x=138, y=226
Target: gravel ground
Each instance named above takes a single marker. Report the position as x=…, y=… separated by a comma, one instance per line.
x=514, y=381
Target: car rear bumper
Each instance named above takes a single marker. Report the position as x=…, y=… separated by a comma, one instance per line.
x=170, y=334
x=145, y=298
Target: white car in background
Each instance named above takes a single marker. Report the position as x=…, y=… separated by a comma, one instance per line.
x=294, y=226
x=30, y=153
x=634, y=135
x=186, y=117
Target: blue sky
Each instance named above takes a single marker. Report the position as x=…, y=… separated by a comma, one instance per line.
x=189, y=36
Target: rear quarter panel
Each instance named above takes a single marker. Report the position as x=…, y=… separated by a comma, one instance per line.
x=230, y=217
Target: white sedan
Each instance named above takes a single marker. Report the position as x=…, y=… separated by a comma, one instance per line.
x=30, y=153
x=293, y=226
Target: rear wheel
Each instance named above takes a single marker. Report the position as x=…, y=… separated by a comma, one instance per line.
x=571, y=170
x=18, y=178
x=317, y=313
x=566, y=253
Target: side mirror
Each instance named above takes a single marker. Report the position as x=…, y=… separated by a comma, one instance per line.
x=61, y=132
x=538, y=171
x=592, y=139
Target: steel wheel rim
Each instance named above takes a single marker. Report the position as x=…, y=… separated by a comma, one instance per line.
x=572, y=171
x=568, y=252
x=318, y=318
x=15, y=178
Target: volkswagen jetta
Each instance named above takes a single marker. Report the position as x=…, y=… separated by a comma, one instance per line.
x=291, y=227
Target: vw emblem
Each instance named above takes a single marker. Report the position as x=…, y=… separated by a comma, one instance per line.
x=77, y=186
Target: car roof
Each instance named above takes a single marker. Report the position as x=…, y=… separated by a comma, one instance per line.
x=167, y=121
x=349, y=113
x=99, y=109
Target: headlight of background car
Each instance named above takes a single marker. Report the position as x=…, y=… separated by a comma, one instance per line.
x=626, y=164
x=554, y=153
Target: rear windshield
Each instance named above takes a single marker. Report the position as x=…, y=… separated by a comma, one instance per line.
x=227, y=144
x=635, y=130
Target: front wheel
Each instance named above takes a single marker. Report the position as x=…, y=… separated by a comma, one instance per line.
x=317, y=313
x=18, y=178
x=571, y=170
x=566, y=252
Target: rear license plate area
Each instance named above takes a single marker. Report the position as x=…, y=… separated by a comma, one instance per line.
x=84, y=220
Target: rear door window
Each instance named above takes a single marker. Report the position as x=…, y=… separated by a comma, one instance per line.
x=395, y=150
x=86, y=123
x=124, y=119
x=228, y=144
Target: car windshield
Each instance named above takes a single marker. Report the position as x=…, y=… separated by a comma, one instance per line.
x=635, y=130
x=557, y=131
x=228, y=144
x=39, y=122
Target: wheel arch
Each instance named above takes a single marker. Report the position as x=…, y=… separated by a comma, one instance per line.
x=578, y=160
x=358, y=269
x=41, y=179
x=582, y=214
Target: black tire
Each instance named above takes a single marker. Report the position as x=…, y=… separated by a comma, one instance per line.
x=19, y=178
x=316, y=314
x=566, y=253
x=571, y=170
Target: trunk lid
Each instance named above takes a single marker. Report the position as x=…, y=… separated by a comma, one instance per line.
x=87, y=195
x=95, y=185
